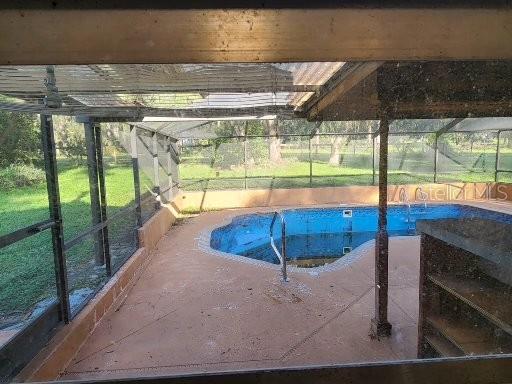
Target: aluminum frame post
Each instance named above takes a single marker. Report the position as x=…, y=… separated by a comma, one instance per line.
x=136, y=176
x=436, y=155
x=379, y=324
x=94, y=190
x=103, y=197
x=54, y=205
x=169, y=193
x=497, y=158
x=310, y=164
x=156, y=173
x=373, y=159
x=245, y=155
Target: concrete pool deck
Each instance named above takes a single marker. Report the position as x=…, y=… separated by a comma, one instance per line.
x=193, y=311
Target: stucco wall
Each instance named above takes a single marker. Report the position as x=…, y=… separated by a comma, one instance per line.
x=213, y=200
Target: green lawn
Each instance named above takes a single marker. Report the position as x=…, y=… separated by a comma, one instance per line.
x=27, y=274
x=196, y=173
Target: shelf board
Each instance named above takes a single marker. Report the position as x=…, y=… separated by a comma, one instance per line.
x=442, y=346
x=470, y=340
x=491, y=302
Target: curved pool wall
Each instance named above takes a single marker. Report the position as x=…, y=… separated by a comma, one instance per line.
x=316, y=233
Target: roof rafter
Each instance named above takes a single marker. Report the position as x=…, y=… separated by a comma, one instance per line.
x=343, y=81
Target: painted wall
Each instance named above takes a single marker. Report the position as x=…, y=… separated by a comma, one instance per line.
x=214, y=200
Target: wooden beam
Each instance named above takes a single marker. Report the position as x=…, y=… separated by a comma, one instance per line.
x=145, y=35
x=349, y=76
x=429, y=90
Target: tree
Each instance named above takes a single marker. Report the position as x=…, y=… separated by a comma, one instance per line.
x=20, y=139
x=70, y=138
x=274, y=146
x=339, y=141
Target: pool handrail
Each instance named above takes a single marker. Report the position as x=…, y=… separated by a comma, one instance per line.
x=280, y=255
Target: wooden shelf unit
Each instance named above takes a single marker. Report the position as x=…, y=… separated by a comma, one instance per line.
x=465, y=305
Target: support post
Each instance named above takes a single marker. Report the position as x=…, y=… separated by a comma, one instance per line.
x=52, y=184
x=103, y=198
x=136, y=176
x=168, y=194
x=373, y=159
x=245, y=155
x=436, y=155
x=497, y=158
x=156, y=174
x=92, y=168
x=310, y=164
x=379, y=324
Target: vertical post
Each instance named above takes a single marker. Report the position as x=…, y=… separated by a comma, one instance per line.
x=103, y=198
x=52, y=184
x=156, y=173
x=373, y=158
x=168, y=195
x=310, y=164
x=436, y=156
x=92, y=168
x=380, y=325
x=245, y=155
x=497, y=158
x=136, y=177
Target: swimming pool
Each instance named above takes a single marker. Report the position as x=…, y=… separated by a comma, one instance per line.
x=318, y=236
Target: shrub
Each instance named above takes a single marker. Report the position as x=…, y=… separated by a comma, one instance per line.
x=20, y=175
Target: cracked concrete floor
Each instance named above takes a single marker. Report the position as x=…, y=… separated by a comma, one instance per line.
x=191, y=311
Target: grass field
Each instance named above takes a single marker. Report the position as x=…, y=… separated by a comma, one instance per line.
x=196, y=172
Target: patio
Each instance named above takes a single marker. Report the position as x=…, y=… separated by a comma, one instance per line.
x=193, y=311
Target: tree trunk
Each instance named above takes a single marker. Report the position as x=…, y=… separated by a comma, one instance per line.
x=402, y=159
x=334, y=159
x=274, y=149
x=316, y=143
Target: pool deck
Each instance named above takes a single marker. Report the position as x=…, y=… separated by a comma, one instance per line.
x=194, y=311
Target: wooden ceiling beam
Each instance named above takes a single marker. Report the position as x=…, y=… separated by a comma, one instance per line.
x=145, y=35
x=350, y=75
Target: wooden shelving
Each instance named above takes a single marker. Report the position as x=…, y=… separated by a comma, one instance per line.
x=491, y=300
x=442, y=346
x=465, y=295
x=470, y=340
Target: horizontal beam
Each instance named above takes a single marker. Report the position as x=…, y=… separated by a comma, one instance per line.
x=237, y=4
x=159, y=89
x=137, y=113
x=23, y=233
x=145, y=35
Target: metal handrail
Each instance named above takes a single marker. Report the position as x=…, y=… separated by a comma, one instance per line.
x=423, y=196
x=280, y=255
